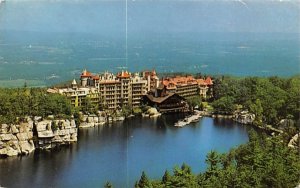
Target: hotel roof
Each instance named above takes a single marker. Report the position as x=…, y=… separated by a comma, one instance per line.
x=85, y=73
x=179, y=81
x=209, y=81
x=123, y=74
x=159, y=99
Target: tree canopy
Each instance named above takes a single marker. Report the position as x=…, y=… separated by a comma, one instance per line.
x=31, y=102
x=270, y=99
x=263, y=162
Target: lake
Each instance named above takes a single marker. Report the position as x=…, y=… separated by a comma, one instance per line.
x=120, y=152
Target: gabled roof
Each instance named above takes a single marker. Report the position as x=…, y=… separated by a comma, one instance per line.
x=209, y=81
x=96, y=77
x=162, y=99
x=172, y=83
x=85, y=73
x=123, y=74
x=201, y=82
x=159, y=99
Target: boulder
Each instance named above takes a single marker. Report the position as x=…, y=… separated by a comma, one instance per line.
x=244, y=117
x=84, y=118
x=45, y=134
x=73, y=130
x=96, y=120
x=37, y=118
x=50, y=117
x=30, y=124
x=22, y=136
x=3, y=151
x=90, y=120
x=15, y=146
x=85, y=125
x=286, y=123
x=62, y=132
x=67, y=123
x=152, y=111
x=73, y=138
x=73, y=124
x=14, y=129
x=43, y=125
x=57, y=138
x=30, y=135
x=7, y=137
x=26, y=147
x=65, y=138
x=4, y=128
x=293, y=143
x=9, y=151
x=102, y=119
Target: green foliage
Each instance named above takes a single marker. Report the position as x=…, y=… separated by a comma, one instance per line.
x=143, y=182
x=263, y=162
x=224, y=105
x=126, y=110
x=108, y=185
x=22, y=102
x=212, y=159
x=271, y=99
x=145, y=108
x=194, y=101
x=88, y=107
x=166, y=179
x=54, y=126
x=137, y=111
x=257, y=109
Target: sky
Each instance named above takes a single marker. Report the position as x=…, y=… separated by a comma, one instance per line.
x=151, y=16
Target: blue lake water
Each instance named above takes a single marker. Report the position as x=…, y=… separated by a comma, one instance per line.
x=120, y=152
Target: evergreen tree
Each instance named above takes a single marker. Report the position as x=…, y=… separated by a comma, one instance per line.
x=108, y=185
x=144, y=181
x=166, y=177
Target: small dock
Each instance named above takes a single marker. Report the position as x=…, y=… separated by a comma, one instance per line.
x=191, y=119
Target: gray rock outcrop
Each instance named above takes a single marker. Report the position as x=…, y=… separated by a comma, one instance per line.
x=22, y=139
x=92, y=121
x=244, y=117
x=16, y=139
x=293, y=143
x=51, y=133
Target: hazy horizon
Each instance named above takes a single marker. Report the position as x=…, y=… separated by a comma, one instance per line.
x=52, y=41
x=151, y=16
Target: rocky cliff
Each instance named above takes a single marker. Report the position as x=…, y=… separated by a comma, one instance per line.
x=16, y=139
x=92, y=121
x=51, y=133
x=25, y=137
x=244, y=117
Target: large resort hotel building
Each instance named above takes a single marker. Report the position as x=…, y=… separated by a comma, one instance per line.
x=188, y=86
x=114, y=91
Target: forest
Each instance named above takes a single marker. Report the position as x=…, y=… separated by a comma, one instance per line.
x=270, y=99
x=20, y=102
x=263, y=162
